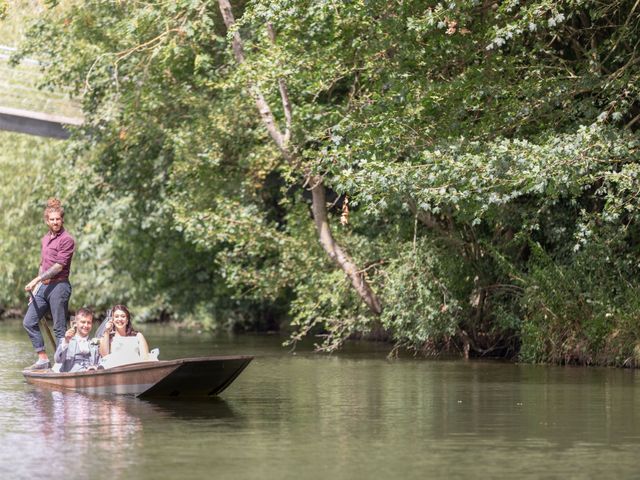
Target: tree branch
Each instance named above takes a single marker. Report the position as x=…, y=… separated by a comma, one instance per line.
x=263, y=107
x=335, y=251
x=284, y=93
x=319, y=207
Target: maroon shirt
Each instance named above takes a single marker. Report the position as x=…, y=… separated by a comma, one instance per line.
x=57, y=248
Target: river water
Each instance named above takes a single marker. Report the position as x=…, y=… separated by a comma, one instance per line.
x=311, y=416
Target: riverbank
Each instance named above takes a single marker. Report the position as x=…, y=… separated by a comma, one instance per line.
x=380, y=342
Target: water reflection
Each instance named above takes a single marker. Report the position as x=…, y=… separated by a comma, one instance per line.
x=111, y=431
x=79, y=421
x=513, y=402
x=194, y=409
x=54, y=427
x=62, y=413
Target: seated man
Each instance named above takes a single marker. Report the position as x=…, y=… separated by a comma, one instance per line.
x=76, y=352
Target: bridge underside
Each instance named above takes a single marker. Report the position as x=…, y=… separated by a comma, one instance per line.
x=36, y=123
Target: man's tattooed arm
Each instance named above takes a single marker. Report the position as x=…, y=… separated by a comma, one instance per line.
x=51, y=272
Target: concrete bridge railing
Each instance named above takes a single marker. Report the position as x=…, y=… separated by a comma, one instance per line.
x=26, y=121
x=36, y=123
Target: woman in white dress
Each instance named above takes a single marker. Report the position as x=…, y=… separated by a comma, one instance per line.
x=121, y=344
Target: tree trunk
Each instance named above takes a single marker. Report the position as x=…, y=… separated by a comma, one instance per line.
x=335, y=251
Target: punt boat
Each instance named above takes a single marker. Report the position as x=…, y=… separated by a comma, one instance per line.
x=185, y=377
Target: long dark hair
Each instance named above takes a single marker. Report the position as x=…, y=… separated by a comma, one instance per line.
x=129, y=331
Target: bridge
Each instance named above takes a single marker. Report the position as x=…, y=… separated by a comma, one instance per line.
x=36, y=123
x=26, y=109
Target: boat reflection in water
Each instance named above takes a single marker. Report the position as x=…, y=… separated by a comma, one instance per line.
x=119, y=418
x=64, y=426
x=109, y=430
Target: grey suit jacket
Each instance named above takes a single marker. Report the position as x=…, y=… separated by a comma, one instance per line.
x=72, y=359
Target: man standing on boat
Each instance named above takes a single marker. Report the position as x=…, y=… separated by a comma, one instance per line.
x=51, y=289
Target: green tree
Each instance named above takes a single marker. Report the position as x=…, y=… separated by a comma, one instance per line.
x=476, y=154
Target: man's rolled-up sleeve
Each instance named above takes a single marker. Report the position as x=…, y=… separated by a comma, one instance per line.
x=65, y=252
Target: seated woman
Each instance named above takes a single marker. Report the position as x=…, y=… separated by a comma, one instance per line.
x=120, y=344
x=76, y=352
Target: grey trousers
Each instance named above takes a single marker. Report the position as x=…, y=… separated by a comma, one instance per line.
x=52, y=298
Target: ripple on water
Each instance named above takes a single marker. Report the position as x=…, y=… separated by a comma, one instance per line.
x=316, y=417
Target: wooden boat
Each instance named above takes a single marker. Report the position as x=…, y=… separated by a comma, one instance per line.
x=186, y=377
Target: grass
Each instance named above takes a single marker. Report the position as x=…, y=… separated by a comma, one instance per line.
x=19, y=85
x=18, y=15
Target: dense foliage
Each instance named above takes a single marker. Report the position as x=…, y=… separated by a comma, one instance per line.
x=26, y=175
x=482, y=161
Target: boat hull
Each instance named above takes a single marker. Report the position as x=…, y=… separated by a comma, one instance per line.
x=186, y=377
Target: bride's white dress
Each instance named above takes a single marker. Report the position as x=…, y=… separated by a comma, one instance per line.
x=125, y=350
